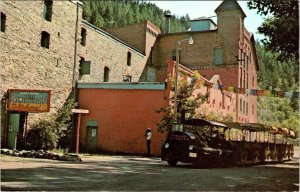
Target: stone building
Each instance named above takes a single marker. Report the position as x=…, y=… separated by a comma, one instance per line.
x=47, y=47
x=37, y=53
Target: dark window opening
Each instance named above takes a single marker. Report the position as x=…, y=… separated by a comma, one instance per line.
x=128, y=58
x=48, y=9
x=3, y=22
x=84, y=66
x=106, y=74
x=45, y=40
x=241, y=77
x=83, y=37
x=152, y=56
x=81, y=61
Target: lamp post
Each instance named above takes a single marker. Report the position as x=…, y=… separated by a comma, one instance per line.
x=190, y=39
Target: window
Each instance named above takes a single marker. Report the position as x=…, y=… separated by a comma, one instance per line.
x=241, y=77
x=241, y=105
x=218, y=56
x=45, y=40
x=240, y=56
x=247, y=86
x=84, y=66
x=243, y=60
x=106, y=74
x=244, y=86
x=48, y=9
x=244, y=107
x=128, y=58
x=83, y=37
x=152, y=56
x=3, y=22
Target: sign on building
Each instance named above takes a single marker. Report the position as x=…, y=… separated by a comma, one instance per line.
x=29, y=100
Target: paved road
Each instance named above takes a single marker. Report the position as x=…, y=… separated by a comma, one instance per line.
x=130, y=173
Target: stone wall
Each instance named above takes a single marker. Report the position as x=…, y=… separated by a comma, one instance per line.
x=25, y=64
x=104, y=50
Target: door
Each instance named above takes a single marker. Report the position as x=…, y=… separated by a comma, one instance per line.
x=92, y=138
x=13, y=129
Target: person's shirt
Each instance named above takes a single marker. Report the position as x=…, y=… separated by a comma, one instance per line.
x=149, y=135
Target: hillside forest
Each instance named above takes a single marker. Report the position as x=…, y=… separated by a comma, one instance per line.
x=273, y=74
x=106, y=14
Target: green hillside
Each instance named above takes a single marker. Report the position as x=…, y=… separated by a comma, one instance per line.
x=106, y=13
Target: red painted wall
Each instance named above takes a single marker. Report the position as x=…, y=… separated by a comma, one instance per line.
x=123, y=117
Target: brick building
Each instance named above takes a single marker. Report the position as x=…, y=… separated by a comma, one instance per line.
x=48, y=46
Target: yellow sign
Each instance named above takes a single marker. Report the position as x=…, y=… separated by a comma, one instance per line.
x=29, y=100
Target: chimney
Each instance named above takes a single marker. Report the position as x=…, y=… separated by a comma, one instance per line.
x=168, y=22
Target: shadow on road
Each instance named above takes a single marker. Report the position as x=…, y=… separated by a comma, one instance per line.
x=146, y=174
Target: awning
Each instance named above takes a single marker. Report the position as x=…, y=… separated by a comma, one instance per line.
x=203, y=122
x=248, y=126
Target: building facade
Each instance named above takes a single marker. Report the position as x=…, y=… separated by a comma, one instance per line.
x=47, y=46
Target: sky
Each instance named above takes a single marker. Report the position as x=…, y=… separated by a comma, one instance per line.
x=207, y=8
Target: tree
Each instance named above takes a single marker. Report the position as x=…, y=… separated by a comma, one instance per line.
x=107, y=13
x=188, y=102
x=279, y=75
x=282, y=28
x=277, y=112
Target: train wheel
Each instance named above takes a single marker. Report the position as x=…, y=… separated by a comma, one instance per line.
x=280, y=156
x=255, y=156
x=244, y=157
x=289, y=155
x=274, y=155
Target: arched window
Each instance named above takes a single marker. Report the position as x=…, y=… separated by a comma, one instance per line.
x=106, y=74
x=45, y=39
x=3, y=22
x=83, y=37
x=48, y=9
x=128, y=58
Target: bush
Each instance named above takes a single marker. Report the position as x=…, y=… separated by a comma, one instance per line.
x=43, y=135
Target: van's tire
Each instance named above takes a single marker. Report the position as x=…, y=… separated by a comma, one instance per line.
x=255, y=156
x=199, y=163
x=172, y=162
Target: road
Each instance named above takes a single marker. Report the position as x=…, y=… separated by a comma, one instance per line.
x=133, y=173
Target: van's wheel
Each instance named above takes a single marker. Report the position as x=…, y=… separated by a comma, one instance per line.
x=199, y=162
x=172, y=162
x=255, y=156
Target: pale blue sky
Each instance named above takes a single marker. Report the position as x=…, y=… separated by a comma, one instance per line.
x=206, y=8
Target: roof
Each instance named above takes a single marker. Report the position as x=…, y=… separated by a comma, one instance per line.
x=204, y=122
x=123, y=86
x=229, y=5
x=110, y=36
x=203, y=18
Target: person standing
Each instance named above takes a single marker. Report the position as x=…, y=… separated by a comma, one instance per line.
x=148, y=136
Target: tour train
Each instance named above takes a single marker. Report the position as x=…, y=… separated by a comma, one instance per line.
x=213, y=144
